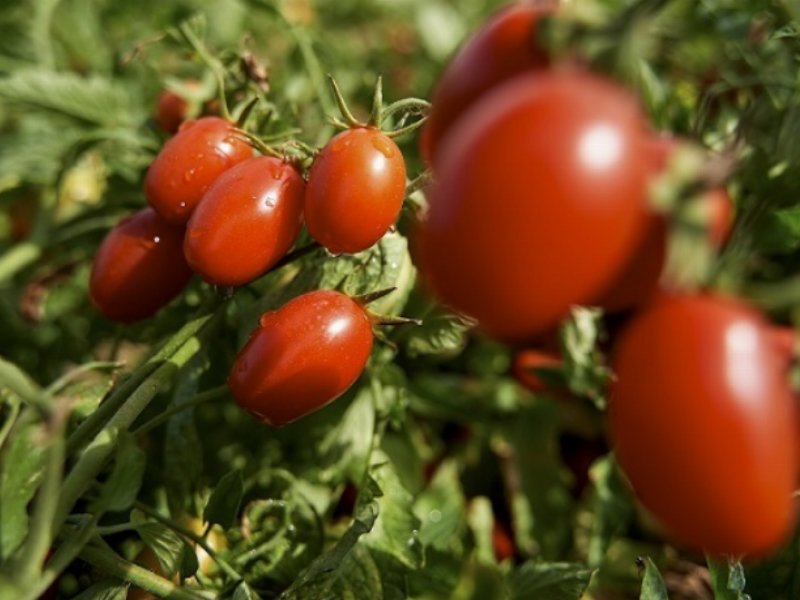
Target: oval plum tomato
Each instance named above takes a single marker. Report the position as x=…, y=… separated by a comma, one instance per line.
x=502, y=48
x=528, y=362
x=138, y=268
x=172, y=109
x=703, y=423
x=302, y=357
x=537, y=201
x=638, y=281
x=355, y=190
x=189, y=163
x=247, y=220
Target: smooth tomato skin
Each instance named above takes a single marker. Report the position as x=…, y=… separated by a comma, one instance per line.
x=536, y=203
x=246, y=222
x=355, y=190
x=189, y=163
x=502, y=48
x=703, y=424
x=302, y=357
x=172, y=109
x=138, y=268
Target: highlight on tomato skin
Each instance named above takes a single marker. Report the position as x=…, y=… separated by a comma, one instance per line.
x=355, y=190
x=139, y=268
x=537, y=201
x=302, y=357
x=189, y=162
x=505, y=46
x=703, y=423
x=246, y=221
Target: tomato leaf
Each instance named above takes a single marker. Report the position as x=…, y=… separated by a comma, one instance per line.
x=347, y=447
x=613, y=507
x=443, y=335
x=583, y=365
x=167, y=545
x=441, y=509
x=244, y=592
x=104, y=590
x=21, y=473
x=727, y=579
x=550, y=581
x=653, y=587
x=122, y=486
x=223, y=505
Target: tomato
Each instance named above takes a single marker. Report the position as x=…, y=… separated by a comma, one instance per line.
x=355, y=190
x=502, y=542
x=138, y=268
x=189, y=163
x=247, y=220
x=703, y=423
x=527, y=362
x=638, y=281
x=537, y=201
x=172, y=109
x=302, y=357
x=504, y=47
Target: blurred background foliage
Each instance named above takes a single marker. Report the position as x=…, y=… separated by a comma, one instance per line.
x=413, y=483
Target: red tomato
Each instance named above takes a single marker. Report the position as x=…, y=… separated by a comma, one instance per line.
x=703, y=423
x=302, y=357
x=638, y=281
x=189, y=163
x=355, y=190
x=528, y=361
x=785, y=340
x=504, y=47
x=537, y=201
x=172, y=109
x=247, y=220
x=502, y=542
x=138, y=268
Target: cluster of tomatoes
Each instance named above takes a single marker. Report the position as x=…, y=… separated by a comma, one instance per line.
x=541, y=201
x=219, y=210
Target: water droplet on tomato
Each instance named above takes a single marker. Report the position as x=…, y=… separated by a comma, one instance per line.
x=188, y=175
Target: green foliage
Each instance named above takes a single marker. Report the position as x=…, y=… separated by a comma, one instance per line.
x=398, y=488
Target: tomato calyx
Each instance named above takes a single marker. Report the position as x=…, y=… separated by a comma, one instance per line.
x=406, y=108
x=378, y=319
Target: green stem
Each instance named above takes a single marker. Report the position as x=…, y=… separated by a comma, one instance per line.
x=95, y=422
x=13, y=412
x=20, y=383
x=114, y=529
x=115, y=565
x=201, y=398
x=92, y=460
x=191, y=536
x=33, y=554
x=41, y=35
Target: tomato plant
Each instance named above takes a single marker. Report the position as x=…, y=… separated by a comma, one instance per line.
x=138, y=268
x=189, y=163
x=355, y=190
x=302, y=357
x=247, y=220
x=703, y=423
x=536, y=170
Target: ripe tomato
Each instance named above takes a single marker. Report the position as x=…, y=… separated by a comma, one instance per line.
x=189, y=163
x=138, y=268
x=172, y=109
x=504, y=47
x=502, y=542
x=247, y=220
x=537, y=201
x=355, y=190
x=527, y=362
x=703, y=423
x=638, y=280
x=302, y=357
